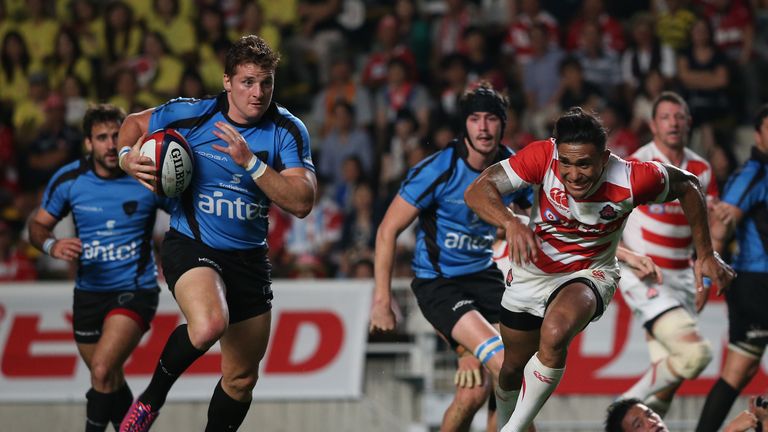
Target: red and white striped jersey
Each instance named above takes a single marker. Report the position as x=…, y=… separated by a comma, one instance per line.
x=584, y=233
x=661, y=231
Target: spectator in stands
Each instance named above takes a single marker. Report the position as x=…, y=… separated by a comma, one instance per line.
x=128, y=95
x=645, y=53
x=15, y=67
x=541, y=78
x=448, y=29
x=29, y=113
x=631, y=415
x=387, y=46
x=518, y=41
x=352, y=174
x=176, y=29
x=54, y=145
x=345, y=139
x=120, y=39
x=252, y=21
x=39, y=30
x=414, y=33
x=191, y=85
x=703, y=73
x=515, y=135
x=211, y=30
x=454, y=70
x=733, y=32
x=74, y=92
x=611, y=31
x=87, y=23
x=674, y=22
x=341, y=86
x=400, y=92
x=359, y=230
x=482, y=65
x=600, y=66
x=642, y=107
x=159, y=71
x=67, y=59
x=394, y=160
x=574, y=90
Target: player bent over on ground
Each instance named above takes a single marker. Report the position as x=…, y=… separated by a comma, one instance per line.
x=565, y=270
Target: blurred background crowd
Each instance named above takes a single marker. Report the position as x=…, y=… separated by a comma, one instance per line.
x=377, y=84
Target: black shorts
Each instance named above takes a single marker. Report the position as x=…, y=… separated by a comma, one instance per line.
x=444, y=300
x=91, y=308
x=246, y=273
x=747, y=298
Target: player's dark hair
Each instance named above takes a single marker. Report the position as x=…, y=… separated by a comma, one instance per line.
x=577, y=126
x=101, y=113
x=483, y=98
x=250, y=49
x=672, y=97
x=762, y=113
x=616, y=412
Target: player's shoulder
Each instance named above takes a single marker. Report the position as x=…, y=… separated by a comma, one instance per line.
x=283, y=118
x=71, y=171
x=646, y=152
x=191, y=107
x=696, y=163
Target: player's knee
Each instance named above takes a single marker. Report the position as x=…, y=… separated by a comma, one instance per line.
x=511, y=375
x=691, y=357
x=102, y=375
x=204, y=334
x=471, y=399
x=554, y=341
x=240, y=386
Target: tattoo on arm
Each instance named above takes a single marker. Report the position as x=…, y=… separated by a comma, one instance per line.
x=498, y=176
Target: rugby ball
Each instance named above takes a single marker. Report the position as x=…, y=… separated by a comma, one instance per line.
x=173, y=161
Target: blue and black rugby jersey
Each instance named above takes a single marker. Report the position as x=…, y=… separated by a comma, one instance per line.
x=747, y=189
x=223, y=207
x=114, y=219
x=451, y=239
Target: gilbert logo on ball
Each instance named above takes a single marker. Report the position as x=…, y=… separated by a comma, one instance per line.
x=173, y=161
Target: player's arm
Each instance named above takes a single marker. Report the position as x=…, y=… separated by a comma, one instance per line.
x=292, y=189
x=725, y=218
x=132, y=132
x=685, y=187
x=41, y=236
x=641, y=265
x=399, y=216
x=484, y=197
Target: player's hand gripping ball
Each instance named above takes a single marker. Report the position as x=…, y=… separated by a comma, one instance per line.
x=173, y=161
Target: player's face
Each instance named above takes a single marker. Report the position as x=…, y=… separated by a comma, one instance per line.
x=581, y=166
x=102, y=144
x=640, y=418
x=670, y=125
x=249, y=92
x=484, y=130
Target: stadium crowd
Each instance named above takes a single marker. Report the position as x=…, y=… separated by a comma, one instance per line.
x=377, y=84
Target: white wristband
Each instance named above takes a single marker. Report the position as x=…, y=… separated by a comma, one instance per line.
x=48, y=245
x=256, y=168
x=123, y=151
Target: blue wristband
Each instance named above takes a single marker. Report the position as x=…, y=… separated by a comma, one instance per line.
x=48, y=245
x=255, y=168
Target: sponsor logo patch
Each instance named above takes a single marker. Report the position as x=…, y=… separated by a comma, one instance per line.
x=509, y=278
x=542, y=378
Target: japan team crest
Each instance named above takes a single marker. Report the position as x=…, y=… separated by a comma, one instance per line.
x=509, y=277
x=608, y=212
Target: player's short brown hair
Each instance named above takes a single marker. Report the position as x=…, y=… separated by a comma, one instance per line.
x=250, y=49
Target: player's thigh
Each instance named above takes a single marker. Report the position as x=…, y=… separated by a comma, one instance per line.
x=476, y=334
x=119, y=337
x=739, y=368
x=201, y=295
x=243, y=346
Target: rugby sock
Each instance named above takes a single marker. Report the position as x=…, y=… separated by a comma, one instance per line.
x=225, y=413
x=123, y=398
x=97, y=410
x=539, y=381
x=719, y=402
x=657, y=377
x=177, y=355
x=505, y=404
x=660, y=406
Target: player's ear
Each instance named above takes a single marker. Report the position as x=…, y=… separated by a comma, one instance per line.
x=88, y=145
x=604, y=157
x=227, y=83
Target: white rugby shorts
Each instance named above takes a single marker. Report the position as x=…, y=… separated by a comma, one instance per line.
x=530, y=288
x=647, y=299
